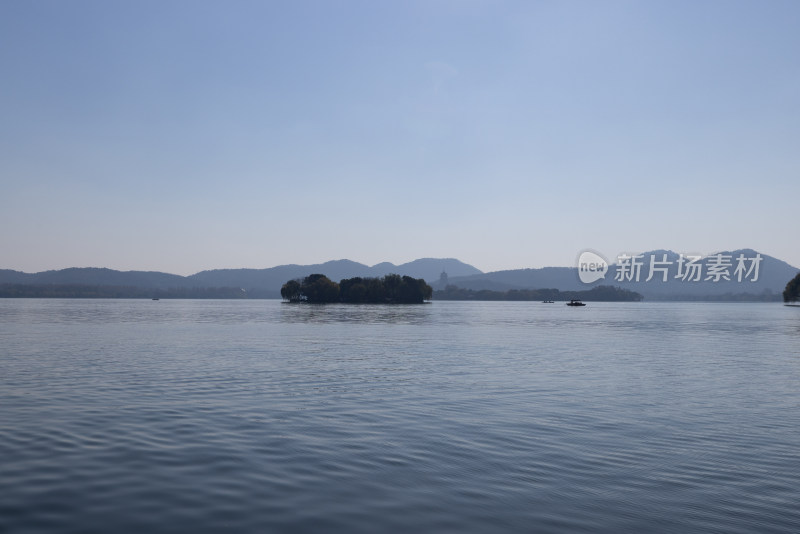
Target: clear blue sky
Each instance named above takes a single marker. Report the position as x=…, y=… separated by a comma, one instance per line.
x=182, y=136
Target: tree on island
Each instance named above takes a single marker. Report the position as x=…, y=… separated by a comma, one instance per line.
x=314, y=288
x=792, y=291
x=291, y=291
x=391, y=289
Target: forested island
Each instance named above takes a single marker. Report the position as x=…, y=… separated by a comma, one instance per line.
x=597, y=294
x=390, y=289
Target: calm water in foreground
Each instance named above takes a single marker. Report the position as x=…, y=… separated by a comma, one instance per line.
x=143, y=416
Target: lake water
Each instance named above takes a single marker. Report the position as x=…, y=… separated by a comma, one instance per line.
x=207, y=416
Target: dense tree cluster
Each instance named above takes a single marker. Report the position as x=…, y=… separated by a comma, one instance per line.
x=599, y=294
x=792, y=291
x=391, y=289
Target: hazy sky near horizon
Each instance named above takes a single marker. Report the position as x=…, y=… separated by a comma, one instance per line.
x=188, y=135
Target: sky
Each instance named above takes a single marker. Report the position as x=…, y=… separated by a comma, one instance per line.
x=180, y=136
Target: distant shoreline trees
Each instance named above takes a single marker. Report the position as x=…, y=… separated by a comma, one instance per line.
x=598, y=293
x=81, y=291
x=391, y=289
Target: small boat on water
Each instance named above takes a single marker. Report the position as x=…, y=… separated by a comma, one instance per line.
x=548, y=301
x=575, y=302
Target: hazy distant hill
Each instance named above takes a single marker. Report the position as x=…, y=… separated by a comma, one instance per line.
x=257, y=282
x=96, y=276
x=563, y=278
x=773, y=276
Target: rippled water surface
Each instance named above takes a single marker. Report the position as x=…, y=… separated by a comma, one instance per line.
x=143, y=416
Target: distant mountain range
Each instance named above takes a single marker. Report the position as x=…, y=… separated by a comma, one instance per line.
x=257, y=283
x=773, y=274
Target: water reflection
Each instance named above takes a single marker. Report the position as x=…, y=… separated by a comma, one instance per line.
x=412, y=314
